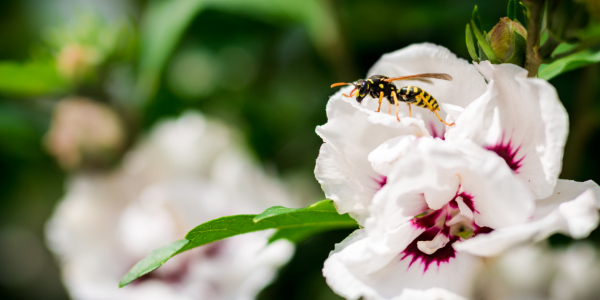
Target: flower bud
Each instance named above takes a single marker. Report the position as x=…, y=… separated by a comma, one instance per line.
x=508, y=40
x=75, y=62
x=84, y=133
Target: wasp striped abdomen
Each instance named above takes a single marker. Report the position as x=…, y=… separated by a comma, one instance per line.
x=419, y=97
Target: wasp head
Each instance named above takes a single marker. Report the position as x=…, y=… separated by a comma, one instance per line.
x=361, y=86
x=363, y=89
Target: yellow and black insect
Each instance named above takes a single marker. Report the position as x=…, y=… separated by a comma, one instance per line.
x=379, y=86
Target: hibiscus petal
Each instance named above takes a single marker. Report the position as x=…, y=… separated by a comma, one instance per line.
x=346, y=273
x=391, y=231
x=572, y=209
x=437, y=169
x=522, y=120
x=499, y=198
x=342, y=167
x=415, y=171
x=337, y=274
x=383, y=157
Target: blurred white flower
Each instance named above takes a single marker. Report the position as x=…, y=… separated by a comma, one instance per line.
x=186, y=172
x=539, y=272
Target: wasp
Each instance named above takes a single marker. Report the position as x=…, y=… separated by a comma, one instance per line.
x=379, y=86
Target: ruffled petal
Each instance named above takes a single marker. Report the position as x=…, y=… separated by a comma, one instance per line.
x=438, y=169
x=385, y=156
x=416, y=170
x=522, y=120
x=342, y=167
x=346, y=272
x=337, y=274
x=572, y=209
x=391, y=231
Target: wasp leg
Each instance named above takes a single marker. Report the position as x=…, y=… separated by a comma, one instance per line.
x=389, y=107
x=433, y=110
x=380, y=97
x=409, y=110
x=396, y=102
x=441, y=119
x=351, y=94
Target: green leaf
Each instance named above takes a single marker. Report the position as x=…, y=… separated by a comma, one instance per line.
x=30, y=79
x=475, y=18
x=484, y=45
x=569, y=63
x=323, y=207
x=152, y=262
x=512, y=10
x=297, y=235
x=471, y=44
x=161, y=29
x=520, y=46
x=525, y=12
x=293, y=224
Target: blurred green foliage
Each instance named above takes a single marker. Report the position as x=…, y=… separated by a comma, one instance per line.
x=264, y=66
x=30, y=79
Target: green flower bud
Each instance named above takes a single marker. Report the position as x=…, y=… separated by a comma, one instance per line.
x=508, y=40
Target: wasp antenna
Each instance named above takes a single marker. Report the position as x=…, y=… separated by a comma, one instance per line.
x=341, y=83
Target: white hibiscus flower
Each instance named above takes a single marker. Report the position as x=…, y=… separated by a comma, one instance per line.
x=520, y=119
x=444, y=207
x=432, y=208
x=188, y=171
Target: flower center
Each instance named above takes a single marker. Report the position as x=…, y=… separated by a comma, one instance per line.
x=443, y=227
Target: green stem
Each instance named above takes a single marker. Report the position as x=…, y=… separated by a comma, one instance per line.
x=533, y=59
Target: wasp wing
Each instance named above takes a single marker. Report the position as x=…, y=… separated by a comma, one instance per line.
x=422, y=77
x=424, y=80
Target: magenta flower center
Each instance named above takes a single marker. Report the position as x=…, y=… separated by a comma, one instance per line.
x=442, y=228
